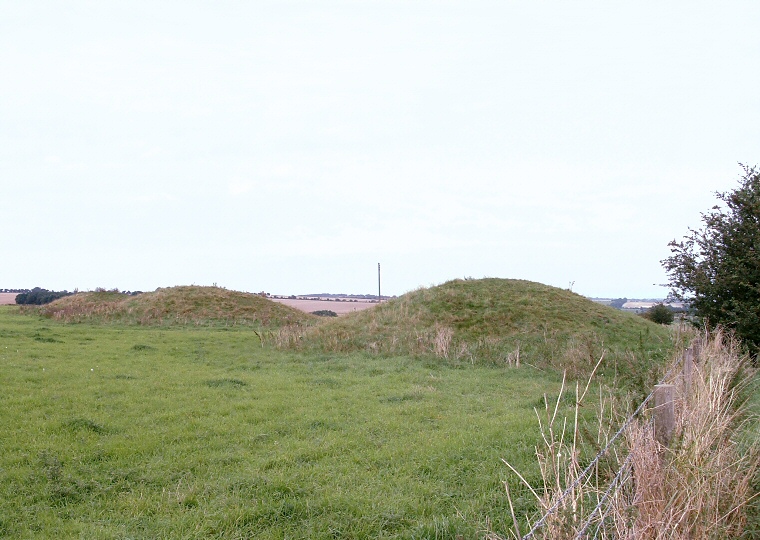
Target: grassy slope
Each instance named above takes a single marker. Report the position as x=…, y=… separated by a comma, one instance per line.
x=176, y=305
x=192, y=430
x=489, y=319
x=143, y=432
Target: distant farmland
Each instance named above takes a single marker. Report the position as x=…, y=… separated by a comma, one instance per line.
x=341, y=307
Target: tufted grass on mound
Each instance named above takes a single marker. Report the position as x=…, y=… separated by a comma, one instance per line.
x=501, y=322
x=186, y=305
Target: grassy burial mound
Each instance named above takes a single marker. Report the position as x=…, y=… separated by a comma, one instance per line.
x=176, y=305
x=500, y=321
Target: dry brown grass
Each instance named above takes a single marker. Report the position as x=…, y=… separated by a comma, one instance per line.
x=697, y=487
x=700, y=485
x=442, y=341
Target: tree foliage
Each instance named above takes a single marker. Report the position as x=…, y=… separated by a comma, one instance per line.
x=716, y=269
x=660, y=314
x=324, y=313
x=618, y=303
x=38, y=296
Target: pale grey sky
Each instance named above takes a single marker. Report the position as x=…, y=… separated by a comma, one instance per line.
x=291, y=146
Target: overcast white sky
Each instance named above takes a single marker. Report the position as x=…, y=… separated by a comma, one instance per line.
x=290, y=146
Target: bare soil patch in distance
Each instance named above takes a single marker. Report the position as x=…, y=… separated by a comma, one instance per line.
x=7, y=298
x=341, y=308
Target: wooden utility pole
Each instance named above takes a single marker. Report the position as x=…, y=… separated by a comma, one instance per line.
x=379, y=298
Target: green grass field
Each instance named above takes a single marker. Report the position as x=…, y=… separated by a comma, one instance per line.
x=127, y=431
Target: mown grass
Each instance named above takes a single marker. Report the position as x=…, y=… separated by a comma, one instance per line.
x=128, y=431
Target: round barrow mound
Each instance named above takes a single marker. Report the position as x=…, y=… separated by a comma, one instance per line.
x=501, y=321
x=177, y=305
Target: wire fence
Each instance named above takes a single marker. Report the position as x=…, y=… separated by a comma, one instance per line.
x=624, y=469
x=616, y=482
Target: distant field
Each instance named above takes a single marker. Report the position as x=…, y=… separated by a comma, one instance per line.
x=341, y=308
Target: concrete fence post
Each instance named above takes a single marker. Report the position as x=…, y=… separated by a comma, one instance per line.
x=664, y=413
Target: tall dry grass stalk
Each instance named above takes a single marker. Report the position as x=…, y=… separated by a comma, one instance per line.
x=564, y=497
x=442, y=341
x=697, y=487
x=285, y=337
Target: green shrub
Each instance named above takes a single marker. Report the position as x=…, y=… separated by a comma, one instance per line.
x=660, y=314
x=38, y=296
x=324, y=313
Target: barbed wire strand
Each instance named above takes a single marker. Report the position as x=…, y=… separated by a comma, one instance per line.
x=630, y=471
x=590, y=466
x=604, y=498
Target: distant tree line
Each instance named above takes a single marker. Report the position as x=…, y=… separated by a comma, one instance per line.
x=38, y=296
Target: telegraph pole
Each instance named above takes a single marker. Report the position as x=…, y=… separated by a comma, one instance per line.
x=379, y=298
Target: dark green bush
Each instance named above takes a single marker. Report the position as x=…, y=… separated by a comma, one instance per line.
x=660, y=314
x=38, y=296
